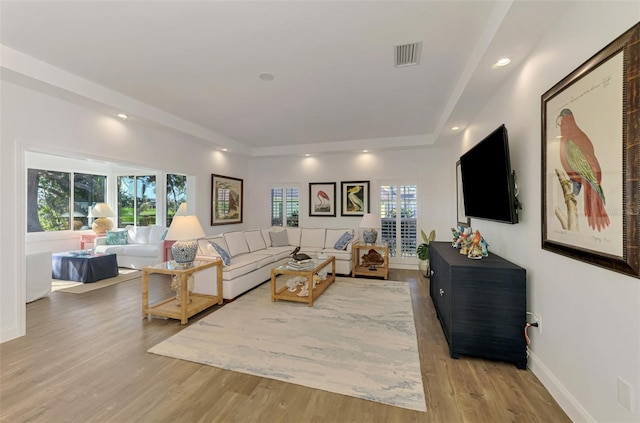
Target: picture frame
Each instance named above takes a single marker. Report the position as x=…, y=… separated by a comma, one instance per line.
x=590, y=124
x=462, y=218
x=226, y=200
x=322, y=199
x=354, y=199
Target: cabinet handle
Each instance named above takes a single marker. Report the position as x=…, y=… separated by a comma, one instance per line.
x=432, y=273
x=441, y=292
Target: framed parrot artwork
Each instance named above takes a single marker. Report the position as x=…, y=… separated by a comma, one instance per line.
x=590, y=155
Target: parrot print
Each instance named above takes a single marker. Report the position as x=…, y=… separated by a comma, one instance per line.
x=579, y=161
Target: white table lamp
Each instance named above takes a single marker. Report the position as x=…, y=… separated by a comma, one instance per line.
x=102, y=211
x=185, y=230
x=370, y=222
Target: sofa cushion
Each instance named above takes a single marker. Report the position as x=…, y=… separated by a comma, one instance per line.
x=341, y=243
x=138, y=234
x=226, y=259
x=312, y=237
x=255, y=240
x=265, y=233
x=236, y=242
x=279, y=239
x=139, y=250
x=294, y=236
x=239, y=266
x=157, y=233
x=116, y=237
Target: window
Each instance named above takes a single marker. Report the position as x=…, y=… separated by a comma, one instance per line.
x=285, y=206
x=136, y=200
x=50, y=199
x=176, y=194
x=398, y=212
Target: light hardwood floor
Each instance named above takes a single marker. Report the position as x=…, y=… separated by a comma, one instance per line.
x=84, y=359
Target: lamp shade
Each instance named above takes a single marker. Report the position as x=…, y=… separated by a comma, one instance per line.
x=184, y=228
x=182, y=210
x=370, y=220
x=102, y=210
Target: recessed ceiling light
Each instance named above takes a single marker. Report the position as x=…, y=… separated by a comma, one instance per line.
x=122, y=116
x=225, y=149
x=503, y=62
x=266, y=76
x=455, y=128
x=307, y=155
x=365, y=151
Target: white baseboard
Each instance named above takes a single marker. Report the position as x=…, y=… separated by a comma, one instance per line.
x=567, y=402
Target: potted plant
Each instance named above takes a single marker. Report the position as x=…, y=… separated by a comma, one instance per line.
x=423, y=251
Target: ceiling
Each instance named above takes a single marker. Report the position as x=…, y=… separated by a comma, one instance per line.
x=194, y=66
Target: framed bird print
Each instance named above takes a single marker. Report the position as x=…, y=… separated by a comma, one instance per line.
x=322, y=199
x=590, y=155
x=354, y=198
x=226, y=200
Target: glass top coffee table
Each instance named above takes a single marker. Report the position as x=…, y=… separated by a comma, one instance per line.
x=315, y=266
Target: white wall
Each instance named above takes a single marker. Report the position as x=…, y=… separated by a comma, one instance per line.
x=428, y=167
x=34, y=121
x=591, y=316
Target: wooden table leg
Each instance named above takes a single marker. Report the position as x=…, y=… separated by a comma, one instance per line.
x=145, y=293
x=310, y=287
x=184, y=297
x=220, y=283
x=273, y=285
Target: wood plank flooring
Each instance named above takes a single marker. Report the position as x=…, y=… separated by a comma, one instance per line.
x=84, y=359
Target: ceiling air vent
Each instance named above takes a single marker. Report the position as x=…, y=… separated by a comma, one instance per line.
x=408, y=54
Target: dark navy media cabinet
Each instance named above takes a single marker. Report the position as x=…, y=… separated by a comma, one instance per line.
x=481, y=304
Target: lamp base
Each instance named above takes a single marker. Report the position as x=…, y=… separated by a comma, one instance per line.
x=370, y=236
x=184, y=252
x=176, y=285
x=101, y=225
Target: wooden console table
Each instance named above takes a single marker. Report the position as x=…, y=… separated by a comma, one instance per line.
x=186, y=309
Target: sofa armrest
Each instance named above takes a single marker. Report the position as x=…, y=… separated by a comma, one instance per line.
x=349, y=246
x=101, y=240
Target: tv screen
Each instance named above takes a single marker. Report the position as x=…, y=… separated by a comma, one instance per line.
x=488, y=184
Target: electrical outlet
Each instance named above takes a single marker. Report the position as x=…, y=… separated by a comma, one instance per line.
x=539, y=319
x=535, y=318
x=625, y=393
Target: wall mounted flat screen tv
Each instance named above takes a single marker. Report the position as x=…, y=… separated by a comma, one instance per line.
x=488, y=184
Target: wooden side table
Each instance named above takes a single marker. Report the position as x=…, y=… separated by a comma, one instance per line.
x=88, y=239
x=359, y=269
x=194, y=304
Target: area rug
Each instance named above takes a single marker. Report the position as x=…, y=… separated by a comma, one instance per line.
x=72, y=287
x=358, y=339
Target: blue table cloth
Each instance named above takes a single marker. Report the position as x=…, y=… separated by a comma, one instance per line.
x=83, y=267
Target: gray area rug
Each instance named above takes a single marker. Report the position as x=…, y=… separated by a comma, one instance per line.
x=358, y=339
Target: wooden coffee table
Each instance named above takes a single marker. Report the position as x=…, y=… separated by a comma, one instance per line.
x=284, y=293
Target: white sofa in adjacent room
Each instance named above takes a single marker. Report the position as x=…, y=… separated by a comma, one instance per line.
x=253, y=253
x=142, y=245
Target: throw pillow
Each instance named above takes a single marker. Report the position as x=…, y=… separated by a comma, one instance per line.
x=226, y=259
x=116, y=237
x=279, y=239
x=341, y=244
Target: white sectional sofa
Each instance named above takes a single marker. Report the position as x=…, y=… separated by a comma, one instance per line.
x=253, y=253
x=142, y=246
